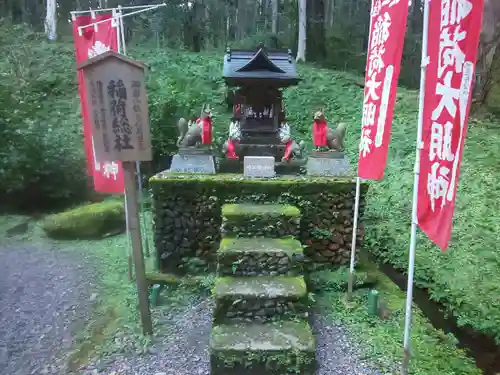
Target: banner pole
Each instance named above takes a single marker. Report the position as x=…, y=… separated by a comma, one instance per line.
x=117, y=25
x=413, y=237
x=80, y=28
x=122, y=32
x=350, y=280
x=75, y=12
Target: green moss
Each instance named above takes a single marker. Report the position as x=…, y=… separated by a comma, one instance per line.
x=336, y=280
x=87, y=222
x=272, y=348
x=260, y=287
x=280, y=182
x=288, y=245
x=324, y=203
x=381, y=339
x=252, y=337
x=256, y=210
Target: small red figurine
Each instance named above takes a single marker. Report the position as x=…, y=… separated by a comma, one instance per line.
x=320, y=129
x=205, y=121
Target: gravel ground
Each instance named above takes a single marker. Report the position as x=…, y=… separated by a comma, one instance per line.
x=181, y=347
x=44, y=298
x=185, y=352
x=335, y=352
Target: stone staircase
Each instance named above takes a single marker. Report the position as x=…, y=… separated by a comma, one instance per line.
x=260, y=321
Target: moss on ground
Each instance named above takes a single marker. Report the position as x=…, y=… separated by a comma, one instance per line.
x=91, y=221
x=280, y=182
x=433, y=351
x=267, y=210
x=288, y=246
x=277, y=348
x=336, y=280
x=260, y=287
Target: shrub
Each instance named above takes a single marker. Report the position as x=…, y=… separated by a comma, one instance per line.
x=41, y=151
x=87, y=222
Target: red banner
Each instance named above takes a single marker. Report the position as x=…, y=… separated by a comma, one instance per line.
x=108, y=176
x=454, y=28
x=387, y=34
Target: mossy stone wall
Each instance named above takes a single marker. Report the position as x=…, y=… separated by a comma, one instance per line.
x=187, y=214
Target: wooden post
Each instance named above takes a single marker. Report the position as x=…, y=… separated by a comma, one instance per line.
x=135, y=235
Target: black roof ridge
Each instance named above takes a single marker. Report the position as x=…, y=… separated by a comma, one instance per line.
x=260, y=57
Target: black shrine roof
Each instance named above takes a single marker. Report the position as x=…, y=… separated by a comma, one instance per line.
x=273, y=67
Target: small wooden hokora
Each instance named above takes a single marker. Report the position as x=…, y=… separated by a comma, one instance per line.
x=325, y=137
x=197, y=132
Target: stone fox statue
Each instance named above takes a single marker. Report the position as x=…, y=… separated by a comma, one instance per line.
x=194, y=133
x=323, y=136
x=189, y=135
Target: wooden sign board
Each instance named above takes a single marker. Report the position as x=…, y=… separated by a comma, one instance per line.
x=118, y=105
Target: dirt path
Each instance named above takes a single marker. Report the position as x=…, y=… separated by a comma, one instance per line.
x=45, y=296
x=181, y=347
x=47, y=293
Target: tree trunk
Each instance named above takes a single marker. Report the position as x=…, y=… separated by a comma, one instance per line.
x=328, y=13
x=51, y=20
x=264, y=13
x=487, y=69
x=301, y=50
x=315, y=30
x=275, y=17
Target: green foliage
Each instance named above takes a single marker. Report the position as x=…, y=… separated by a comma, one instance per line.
x=41, y=156
x=40, y=149
x=86, y=222
x=466, y=294
x=381, y=339
x=336, y=280
x=178, y=86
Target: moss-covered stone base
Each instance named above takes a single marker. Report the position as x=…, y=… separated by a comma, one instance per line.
x=268, y=220
x=286, y=347
x=259, y=299
x=260, y=257
x=187, y=213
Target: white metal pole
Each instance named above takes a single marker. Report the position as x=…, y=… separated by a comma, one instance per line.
x=117, y=25
x=123, y=15
x=413, y=237
x=111, y=9
x=350, y=280
x=122, y=32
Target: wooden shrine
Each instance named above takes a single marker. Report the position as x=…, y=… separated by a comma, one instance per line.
x=257, y=77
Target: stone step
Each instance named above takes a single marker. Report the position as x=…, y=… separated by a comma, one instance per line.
x=285, y=347
x=259, y=299
x=260, y=256
x=260, y=220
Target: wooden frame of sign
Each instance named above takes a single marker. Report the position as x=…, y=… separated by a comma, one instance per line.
x=118, y=106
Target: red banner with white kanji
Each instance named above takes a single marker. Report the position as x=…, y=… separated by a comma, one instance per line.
x=454, y=29
x=107, y=175
x=387, y=34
